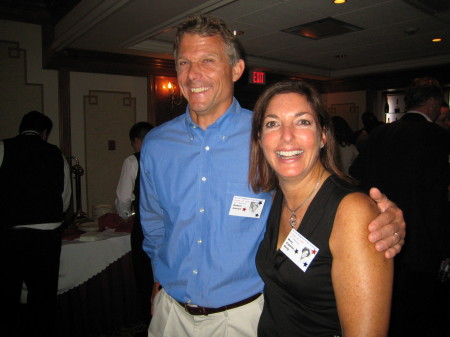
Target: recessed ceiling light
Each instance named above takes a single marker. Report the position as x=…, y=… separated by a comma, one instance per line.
x=322, y=28
x=339, y=1
x=437, y=40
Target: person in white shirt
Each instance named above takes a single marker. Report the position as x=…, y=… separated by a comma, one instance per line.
x=127, y=206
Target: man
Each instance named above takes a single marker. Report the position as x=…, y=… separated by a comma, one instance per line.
x=408, y=159
x=34, y=192
x=195, y=197
x=127, y=204
x=360, y=137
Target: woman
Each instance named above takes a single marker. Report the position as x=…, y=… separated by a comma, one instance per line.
x=344, y=286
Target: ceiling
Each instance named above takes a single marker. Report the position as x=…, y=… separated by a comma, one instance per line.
x=394, y=34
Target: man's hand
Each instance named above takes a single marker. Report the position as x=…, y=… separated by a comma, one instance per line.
x=388, y=229
x=156, y=289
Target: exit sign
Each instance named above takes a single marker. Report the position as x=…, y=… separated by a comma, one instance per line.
x=257, y=77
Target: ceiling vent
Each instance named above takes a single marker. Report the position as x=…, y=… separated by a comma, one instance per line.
x=322, y=29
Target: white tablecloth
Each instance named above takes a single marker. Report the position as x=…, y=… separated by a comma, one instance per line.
x=81, y=260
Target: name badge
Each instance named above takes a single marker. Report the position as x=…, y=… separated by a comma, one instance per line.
x=299, y=249
x=246, y=207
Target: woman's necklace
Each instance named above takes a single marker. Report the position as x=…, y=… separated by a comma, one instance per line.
x=293, y=217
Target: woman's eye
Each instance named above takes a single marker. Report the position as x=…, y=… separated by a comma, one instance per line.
x=270, y=124
x=304, y=122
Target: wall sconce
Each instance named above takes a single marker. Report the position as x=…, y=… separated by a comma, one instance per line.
x=174, y=99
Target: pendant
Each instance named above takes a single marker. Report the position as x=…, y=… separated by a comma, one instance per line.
x=293, y=220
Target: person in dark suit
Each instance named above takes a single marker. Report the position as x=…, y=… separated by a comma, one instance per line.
x=34, y=193
x=408, y=159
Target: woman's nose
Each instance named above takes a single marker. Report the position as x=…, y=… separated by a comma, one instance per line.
x=287, y=134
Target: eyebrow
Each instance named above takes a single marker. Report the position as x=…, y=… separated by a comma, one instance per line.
x=297, y=114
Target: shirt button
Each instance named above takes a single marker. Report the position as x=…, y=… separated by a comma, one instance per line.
x=203, y=178
x=223, y=137
x=195, y=271
x=202, y=210
x=207, y=148
x=195, y=126
x=199, y=242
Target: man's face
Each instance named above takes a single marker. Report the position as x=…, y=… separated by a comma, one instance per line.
x=435, y=108
x=136, y=144
x=444, y=118
x=206, y=77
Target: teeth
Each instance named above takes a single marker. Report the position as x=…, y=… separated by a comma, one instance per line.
x=289, y=154
x=201, y=89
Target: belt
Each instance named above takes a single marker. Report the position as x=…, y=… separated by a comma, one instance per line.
x=197, y=310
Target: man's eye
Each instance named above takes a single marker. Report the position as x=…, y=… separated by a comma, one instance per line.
x=304, y=122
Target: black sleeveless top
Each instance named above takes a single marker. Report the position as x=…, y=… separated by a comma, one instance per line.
x=301, y=303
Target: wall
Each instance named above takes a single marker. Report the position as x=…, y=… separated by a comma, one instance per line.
x=28, y=39
x=81, y=85
x=349, y=105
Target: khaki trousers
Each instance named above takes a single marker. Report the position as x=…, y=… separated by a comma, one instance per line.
x=171, y=320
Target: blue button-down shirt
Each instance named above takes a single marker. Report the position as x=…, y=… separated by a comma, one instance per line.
x=200, y=253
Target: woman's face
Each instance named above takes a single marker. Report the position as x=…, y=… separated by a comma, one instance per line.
x=290, y=136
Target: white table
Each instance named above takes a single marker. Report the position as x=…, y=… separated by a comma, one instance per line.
x=81, y=260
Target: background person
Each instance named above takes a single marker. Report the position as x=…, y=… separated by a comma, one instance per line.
x=34, y=192
x=361, y=136
x=127, y=205
x=195, y=197
x=409, y=160
x=344, y=286
x=347, y=152
x=443, y=119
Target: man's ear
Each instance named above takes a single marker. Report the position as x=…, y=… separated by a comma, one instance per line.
x=44, y=135
x=238, y=70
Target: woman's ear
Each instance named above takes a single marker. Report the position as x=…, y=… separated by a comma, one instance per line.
x=323, y=140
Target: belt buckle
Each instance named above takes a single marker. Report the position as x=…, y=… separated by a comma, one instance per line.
x=195, y=310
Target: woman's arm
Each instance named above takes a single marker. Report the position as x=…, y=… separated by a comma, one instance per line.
x=362, y=276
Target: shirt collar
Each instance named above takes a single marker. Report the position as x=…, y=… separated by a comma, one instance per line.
x=30, y=133
x=420, y=113
x=222, y=123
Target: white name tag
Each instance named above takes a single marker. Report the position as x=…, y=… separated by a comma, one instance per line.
x=299, y=249
x=247, y=207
